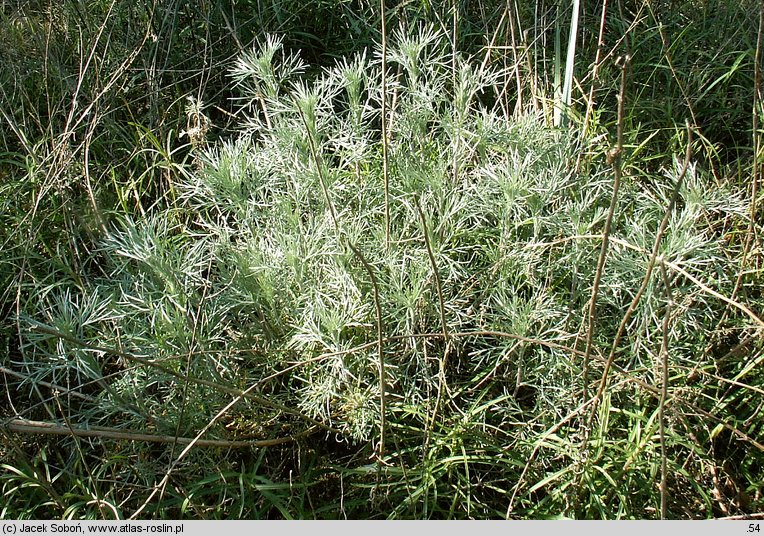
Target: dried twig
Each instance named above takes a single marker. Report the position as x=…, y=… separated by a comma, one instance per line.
x=615, y=160
x=24, y=426
x=648, y=272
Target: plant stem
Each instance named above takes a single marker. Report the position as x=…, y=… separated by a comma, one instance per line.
x=24, y=426
x=750, y=234
x=380, y=352
x=648, y=272
x=664, y=390
x=615, y=157
x=442, y=385
x=595, y=76
x=385, y=141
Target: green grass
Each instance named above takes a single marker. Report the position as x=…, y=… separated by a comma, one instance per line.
x=164, y=275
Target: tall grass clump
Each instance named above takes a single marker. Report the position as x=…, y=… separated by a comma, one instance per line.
x=263, y=345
